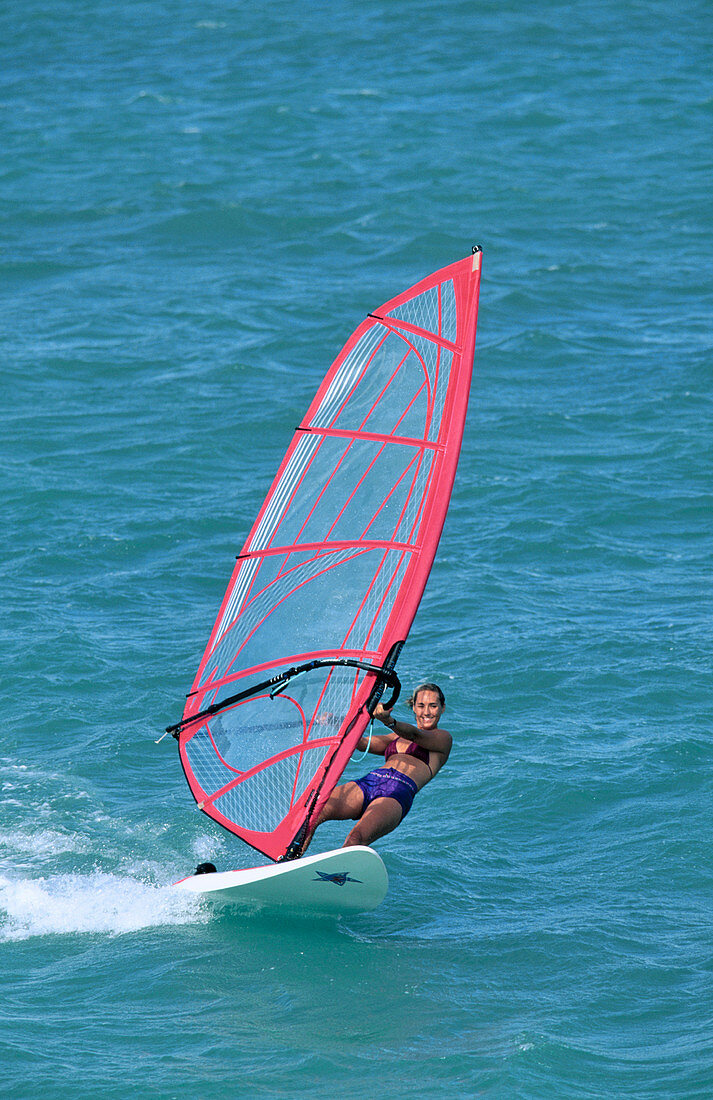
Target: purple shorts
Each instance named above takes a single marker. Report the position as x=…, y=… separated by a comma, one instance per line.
x=388, y=783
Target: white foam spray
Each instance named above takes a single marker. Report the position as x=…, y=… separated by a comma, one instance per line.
x=96, y=903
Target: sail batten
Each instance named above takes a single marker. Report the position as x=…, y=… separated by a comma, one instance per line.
x=334, y=566
x=397, y=440
x=379, y=544
x=406, y=327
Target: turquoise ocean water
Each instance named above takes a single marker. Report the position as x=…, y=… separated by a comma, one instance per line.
x=198, y=203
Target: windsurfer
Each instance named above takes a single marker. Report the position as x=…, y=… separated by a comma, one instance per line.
x=380, y=800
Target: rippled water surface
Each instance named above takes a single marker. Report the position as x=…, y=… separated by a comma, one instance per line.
x=198, y=203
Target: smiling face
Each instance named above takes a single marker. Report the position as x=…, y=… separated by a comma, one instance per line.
x=428, y=709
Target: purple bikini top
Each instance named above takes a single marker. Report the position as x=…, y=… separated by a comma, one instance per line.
x=413, y=750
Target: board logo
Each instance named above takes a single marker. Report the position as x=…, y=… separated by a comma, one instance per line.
x=340, y=878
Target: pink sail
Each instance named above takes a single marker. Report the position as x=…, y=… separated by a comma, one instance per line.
x=330, y=577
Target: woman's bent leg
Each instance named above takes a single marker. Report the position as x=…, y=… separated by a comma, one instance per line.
x=344, y=803
x=380, y=817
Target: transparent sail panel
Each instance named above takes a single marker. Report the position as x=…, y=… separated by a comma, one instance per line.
x=347, y=377
x=281, y=740
x=358, y=489
x=401, y=394
x=371, y=619
x=312, y=605
x=430, y=311
x=295, y=472
x=390, y=398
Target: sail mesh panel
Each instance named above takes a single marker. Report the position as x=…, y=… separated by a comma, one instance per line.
x=422, y=311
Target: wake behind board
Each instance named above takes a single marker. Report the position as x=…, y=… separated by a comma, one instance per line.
x=347, y=880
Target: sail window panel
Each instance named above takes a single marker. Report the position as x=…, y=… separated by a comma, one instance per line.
x=241, y=585
x=255, y=575
x=348, y=375
x=438, y=362
x=207, y=768
x=312, y=707
x=330, y=708
x=260, y=802
x=373, y=616
x=391, y=494
x=259, y=728
x=392, y=396
x=248, y=637
x=401, y=407
x=402, y=393
x=426, y=312
x=292, y=476
x=357, y=489
x=312, y=606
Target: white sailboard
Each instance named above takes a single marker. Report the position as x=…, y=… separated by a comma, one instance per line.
x=348, y=880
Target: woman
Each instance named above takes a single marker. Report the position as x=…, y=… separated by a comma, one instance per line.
x=381, y=799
